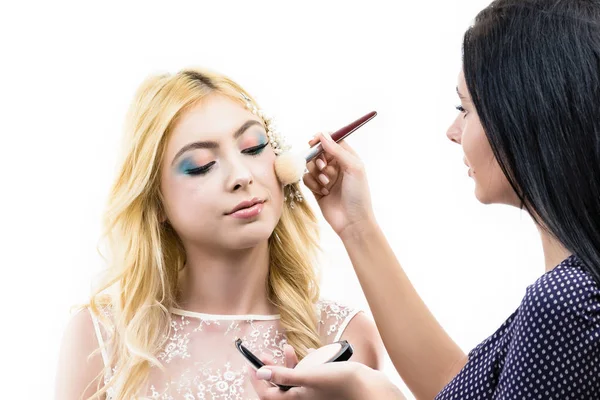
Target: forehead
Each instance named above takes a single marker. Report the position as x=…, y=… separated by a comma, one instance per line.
x=211, y=118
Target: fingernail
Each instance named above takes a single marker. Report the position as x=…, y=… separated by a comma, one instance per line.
x=324, y=191
x=323, y=179
x=264, y=374
x=320, y=163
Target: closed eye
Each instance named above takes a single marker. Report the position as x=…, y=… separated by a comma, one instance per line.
x=256, y=150
x=200, y=170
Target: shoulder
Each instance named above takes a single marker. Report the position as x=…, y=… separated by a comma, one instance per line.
x=556, y=335
x=340, y=322
x=80, y=362
x=561, y=309
x=81, y=325
x=333, y=318
x=565, y=292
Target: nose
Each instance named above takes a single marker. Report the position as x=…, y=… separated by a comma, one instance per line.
x=240, y=176
x=454, y=132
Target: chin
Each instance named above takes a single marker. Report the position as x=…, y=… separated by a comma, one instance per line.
x=250, y=235
x=483, y=197
x=497, y=195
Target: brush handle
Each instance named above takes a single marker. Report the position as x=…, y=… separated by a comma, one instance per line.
x=340, y=135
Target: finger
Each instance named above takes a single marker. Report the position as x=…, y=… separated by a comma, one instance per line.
x=324, y=180
x=347, y=147
x=291, y=359
x=327, y=178
x=321, y=162
x=313, y=168
x=313, y=185
x=264, y=390
x=266, y=359
x=314, y=140
x=285, y=376
x=321, y=179
x=310, y=350
x=342, y=154
x=328, y=157
x=332, y=174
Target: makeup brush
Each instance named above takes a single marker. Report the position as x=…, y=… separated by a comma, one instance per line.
x=290, y=166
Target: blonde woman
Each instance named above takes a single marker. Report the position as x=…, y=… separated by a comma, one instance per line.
x=206, y=245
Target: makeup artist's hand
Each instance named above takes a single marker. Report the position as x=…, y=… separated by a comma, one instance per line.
x=331, y=381
x=339, y=182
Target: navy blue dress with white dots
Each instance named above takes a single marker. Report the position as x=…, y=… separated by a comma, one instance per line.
x=548, y=349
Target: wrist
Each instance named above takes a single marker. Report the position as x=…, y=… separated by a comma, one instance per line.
x=359, y=231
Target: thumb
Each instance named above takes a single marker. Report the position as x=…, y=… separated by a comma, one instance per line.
x=284, y=376
x=346, y=158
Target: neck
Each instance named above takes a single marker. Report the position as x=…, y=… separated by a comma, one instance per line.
x=226, y=282
x=554, y=251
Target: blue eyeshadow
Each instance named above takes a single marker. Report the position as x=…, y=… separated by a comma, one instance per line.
x=186, y=165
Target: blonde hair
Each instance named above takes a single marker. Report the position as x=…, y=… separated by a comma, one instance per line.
x=145, y=255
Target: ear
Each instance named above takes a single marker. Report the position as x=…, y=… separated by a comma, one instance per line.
x=161, y=214
x=162, y=217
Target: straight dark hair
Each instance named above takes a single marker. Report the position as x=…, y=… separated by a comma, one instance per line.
x=532, y=68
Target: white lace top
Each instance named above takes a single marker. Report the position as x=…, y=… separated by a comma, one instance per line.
x=200, y=358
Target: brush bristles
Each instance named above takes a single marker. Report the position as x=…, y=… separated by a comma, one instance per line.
x=290, y=167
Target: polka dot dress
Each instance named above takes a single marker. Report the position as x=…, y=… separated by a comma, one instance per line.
x=548, y=349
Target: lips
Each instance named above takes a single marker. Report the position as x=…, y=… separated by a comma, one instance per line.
x=245, y=205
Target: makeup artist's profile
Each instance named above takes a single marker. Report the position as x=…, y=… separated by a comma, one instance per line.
x=206, y=246
x=529, y=126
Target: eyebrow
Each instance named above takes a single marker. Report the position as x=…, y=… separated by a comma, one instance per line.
x=460, y=95
x=213, y=145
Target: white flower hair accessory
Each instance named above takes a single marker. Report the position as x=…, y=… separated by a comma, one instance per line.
x=294, y=196
x=276, y=139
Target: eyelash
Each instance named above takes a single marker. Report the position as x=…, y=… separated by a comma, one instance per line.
x=256, y=150
x=200, y=170
x=252, y=151
x=462, y=110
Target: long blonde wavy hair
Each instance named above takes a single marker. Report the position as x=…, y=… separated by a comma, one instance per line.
x=145, y=255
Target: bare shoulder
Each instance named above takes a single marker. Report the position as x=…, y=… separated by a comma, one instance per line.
x=364, y=337
x=338, y=321
x=80, y=362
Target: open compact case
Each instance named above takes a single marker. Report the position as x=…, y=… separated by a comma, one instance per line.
x=338, y=351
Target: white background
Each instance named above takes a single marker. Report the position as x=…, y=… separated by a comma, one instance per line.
x=69, y=71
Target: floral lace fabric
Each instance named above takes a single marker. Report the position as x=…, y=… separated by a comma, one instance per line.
x=201, y=361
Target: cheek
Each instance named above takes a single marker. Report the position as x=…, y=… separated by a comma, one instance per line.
x=185, y=198
x=264, y=172
x=263, y=167
x=476, y=146
x=469, y=146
